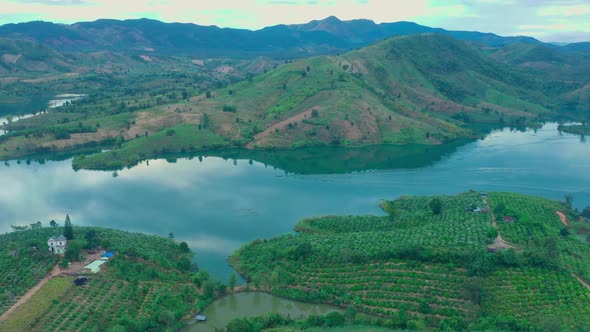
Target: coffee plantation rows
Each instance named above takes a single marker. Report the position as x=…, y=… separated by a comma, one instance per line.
x=427, y=262
x=106, y=301
x=24, y=261
x=150, y=284
x=535, y=216
x=539, y=295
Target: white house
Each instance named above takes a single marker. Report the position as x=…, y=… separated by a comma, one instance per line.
x=57, y=245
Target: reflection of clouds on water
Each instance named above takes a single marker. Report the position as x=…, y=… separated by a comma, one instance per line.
x=216, y=207
x=211, y=243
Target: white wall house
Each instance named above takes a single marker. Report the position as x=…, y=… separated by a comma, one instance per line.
x=57, y=245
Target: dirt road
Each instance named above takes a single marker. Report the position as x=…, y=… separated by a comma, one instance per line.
x=55, y=272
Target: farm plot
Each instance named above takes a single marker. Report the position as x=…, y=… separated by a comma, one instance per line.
x=538, y=295
x=535, y=217
x=386, y=289
x=24, y=261
x=104, y=302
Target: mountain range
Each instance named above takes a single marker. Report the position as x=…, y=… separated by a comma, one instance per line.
x=327, y=36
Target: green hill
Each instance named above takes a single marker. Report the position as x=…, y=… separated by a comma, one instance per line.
x=19, y=57
x=422, y=89
x=454, y=270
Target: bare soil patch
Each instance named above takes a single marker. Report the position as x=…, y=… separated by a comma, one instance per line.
x=562, y=218
x=280, y=125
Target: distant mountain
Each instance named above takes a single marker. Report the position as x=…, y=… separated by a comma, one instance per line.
x=24, y=56
x=328, y=36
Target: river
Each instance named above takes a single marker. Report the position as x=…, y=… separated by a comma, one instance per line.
x=217, y=205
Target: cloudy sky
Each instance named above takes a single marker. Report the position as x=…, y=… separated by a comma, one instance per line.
x=557, y=20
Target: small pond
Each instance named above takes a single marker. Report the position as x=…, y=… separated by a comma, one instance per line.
x=251, y=304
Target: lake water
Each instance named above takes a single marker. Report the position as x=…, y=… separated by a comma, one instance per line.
x=25, y=110
x=252, y=304
x=218, y=205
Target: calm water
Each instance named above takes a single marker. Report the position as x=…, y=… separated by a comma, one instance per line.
x=217, y=204
x=222, y=311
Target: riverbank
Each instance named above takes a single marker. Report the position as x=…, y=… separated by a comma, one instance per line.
x=577, y=129
x=415, y=267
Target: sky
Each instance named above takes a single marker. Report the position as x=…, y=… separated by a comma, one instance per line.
x=551, y=21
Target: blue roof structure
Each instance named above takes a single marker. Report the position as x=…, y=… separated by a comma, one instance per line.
x=108, y=254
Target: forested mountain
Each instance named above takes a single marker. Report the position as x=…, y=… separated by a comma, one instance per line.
x=328, y=36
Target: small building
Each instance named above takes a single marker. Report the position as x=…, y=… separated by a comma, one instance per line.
x=57, y=245
x=509, y=219
x=201, y=318
x=108, y=255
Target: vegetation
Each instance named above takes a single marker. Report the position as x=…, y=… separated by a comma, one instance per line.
x=583, y=129
x=151, y=283
x=339, y=100
x=415, y=268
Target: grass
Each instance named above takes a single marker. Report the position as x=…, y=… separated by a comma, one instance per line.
x=28, y=314
x=393, y=92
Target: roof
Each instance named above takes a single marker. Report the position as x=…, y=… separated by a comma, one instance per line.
x=508, y=218
x=58, y=238
x=108, y=254
x=201, y=317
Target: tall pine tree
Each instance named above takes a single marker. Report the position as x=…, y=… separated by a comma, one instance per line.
x=68, y=229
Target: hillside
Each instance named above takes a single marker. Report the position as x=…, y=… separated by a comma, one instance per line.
x=395, y=92
x=432, y=262
x=18, y=57
x=150, y=284
x=327, y=36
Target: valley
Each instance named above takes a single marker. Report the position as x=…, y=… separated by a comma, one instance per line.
x=335, y=175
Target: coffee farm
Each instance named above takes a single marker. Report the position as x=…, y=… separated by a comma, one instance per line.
x=428, y=263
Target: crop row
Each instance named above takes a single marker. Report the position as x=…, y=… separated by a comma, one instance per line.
x=535, y=294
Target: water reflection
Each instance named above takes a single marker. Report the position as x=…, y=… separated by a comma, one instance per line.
x=217, y=205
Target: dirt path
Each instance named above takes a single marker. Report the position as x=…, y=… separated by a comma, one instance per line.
x=55, y=272
x=584, y=283
x=562, y=217
x=499, y=243
x=268, y=131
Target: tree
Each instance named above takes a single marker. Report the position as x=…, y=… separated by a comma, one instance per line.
x=184, y=247
x=166, y=317
x=568, y=200
x=315, y=113
x=564, y=232
x=74, y=250
x=586, y=212
x=208, y=94
x=52, y=223
x=436, y=205
x=92, y=239
x=233, y=279
x=68, y=228
x=588, y=238
x=473, y=290
x=171, y=235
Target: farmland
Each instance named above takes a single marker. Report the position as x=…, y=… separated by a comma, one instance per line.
x=415, y=267
x=150, y=284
